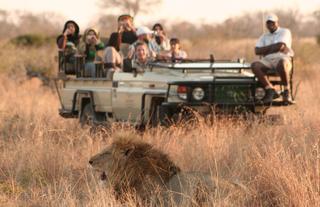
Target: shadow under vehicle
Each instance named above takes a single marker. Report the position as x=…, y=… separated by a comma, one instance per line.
x=159, y=93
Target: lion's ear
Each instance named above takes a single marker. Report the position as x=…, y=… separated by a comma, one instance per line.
x=129, y=150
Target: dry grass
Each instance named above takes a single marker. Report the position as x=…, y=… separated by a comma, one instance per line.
x=15, y=60
x=43, y=157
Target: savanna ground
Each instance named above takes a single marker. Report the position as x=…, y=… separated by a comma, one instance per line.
x=44, y=158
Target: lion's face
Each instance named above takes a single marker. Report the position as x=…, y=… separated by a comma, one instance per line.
x=110, y=159
x=131, y=165
x=102, y=162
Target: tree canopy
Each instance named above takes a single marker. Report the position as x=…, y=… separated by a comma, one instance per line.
x=132, y=7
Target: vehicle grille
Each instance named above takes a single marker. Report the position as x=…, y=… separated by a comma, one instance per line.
x=224, y=94
x=232, y=94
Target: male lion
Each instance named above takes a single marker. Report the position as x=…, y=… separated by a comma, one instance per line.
x=133, y=167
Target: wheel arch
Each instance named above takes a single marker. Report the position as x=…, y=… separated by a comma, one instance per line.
x=80, y=99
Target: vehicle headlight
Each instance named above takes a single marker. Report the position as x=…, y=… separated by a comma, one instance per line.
x=182, y=92
x=260, y=93
x=198, y=94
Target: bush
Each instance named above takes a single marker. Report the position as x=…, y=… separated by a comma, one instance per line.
x=31, y=40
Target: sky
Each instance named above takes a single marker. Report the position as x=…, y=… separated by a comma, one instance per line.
x=84, y=11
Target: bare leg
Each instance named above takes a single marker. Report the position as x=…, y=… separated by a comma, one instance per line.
x=260, y=71
x=283, y=68
x=111, y=55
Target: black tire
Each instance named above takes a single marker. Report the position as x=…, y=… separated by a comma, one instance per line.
x=90, y=117
x=164, y=116
x=87, y=115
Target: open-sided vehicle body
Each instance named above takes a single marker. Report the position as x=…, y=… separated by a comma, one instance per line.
x=160, y=92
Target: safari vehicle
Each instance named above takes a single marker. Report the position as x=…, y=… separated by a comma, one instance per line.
x=160, y=93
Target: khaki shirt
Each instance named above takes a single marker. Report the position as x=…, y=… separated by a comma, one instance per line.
x=141, y=67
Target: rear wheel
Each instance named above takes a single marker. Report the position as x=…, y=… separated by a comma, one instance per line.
x=87, y=115
x=90, y=117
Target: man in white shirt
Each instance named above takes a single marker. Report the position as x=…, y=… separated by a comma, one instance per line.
x=275, y=49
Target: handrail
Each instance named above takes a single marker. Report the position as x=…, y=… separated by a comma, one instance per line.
x=222, y=65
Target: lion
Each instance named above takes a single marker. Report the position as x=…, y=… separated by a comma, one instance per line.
x=133, y=167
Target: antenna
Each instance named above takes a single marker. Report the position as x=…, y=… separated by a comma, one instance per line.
x=263, y=22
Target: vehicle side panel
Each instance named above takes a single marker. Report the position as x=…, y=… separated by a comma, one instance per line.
x=102, y=90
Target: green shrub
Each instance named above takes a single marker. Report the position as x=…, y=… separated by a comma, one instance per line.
x=31, y=40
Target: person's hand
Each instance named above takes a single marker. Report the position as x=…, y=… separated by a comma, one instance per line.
x=161, y=34
x=121, y=28
x=285, y=50
x=129, y=26
x=66, y=32
x=93, y=40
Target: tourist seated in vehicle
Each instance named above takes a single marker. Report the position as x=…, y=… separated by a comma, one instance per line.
x=175, y=52
x=145, y=35
x=275, y=49
x=89, y=46
x=119, y=42
x=113, y=58
x=70, y=35
x=160, y=37
x=67, y=43
x=141, y=57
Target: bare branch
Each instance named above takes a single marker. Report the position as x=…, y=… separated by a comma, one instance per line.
x=133, y=7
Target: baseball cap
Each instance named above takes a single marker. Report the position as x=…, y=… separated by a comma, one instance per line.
x=143, y=30
x=272, y=18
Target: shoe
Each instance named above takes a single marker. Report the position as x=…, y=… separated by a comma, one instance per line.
x=285, y=97
x=270, y=95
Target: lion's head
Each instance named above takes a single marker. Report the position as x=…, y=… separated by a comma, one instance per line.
x=130, y=164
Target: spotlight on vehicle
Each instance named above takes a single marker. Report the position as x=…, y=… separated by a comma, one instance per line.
x=198, y=94
x=260, y=93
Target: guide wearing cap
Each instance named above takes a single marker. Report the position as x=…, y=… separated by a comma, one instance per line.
x=275, y=49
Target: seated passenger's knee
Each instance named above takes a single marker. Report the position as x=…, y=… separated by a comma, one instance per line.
x=109, y=50
x=285, y=63
x=255, y=66
x=109, y=54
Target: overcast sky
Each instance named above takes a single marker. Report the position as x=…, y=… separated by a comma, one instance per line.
x=189, y=10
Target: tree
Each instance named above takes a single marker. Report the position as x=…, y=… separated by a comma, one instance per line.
x=132, y=7
x=316, y=15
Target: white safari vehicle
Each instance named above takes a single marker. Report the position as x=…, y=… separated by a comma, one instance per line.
x=159, y=93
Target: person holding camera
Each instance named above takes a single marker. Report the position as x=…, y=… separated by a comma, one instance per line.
x=89, y=46
x=117, y=47
x=70, y=35
x=160, y=37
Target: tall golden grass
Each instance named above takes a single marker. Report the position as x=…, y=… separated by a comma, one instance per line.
x=43, y=157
